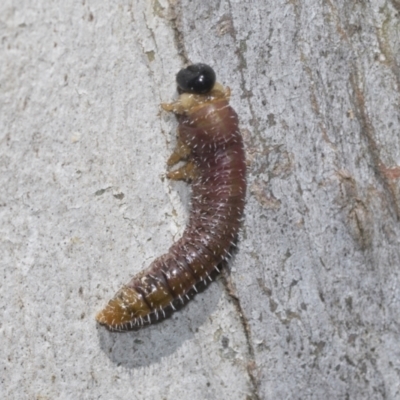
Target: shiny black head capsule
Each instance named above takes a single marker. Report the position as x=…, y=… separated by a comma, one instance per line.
x=196, y=78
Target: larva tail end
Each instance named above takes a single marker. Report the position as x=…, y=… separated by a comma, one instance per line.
x=113, y=315
x=123, y=311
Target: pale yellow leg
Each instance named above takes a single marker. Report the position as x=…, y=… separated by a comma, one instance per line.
x=184, y=104
x=175, y=107
x=185, y=173
x=188, y=171
x=180, y=153
x=168, y=106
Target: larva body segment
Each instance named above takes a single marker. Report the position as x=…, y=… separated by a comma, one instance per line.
x=209, y=141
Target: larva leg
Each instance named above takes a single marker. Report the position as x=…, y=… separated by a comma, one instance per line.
x=187, y=172
x=170, y=107
x=181, y=106
x=176, y=107
x=180, y=153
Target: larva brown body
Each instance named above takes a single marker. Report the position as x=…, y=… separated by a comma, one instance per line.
x=210, y=141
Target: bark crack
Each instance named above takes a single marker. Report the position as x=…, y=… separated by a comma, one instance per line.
x=175, y=17
x=251, y=365
x=368, y=132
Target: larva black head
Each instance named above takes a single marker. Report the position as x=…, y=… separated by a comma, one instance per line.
x=196, y=78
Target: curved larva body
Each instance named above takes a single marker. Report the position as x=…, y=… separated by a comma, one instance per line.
x=209, y=139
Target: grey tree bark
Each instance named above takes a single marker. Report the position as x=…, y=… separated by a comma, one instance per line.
x=310, y=307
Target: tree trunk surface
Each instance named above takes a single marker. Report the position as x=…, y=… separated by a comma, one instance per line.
x=310, y=305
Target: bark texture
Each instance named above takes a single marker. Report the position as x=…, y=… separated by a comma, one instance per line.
x=311, y=308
